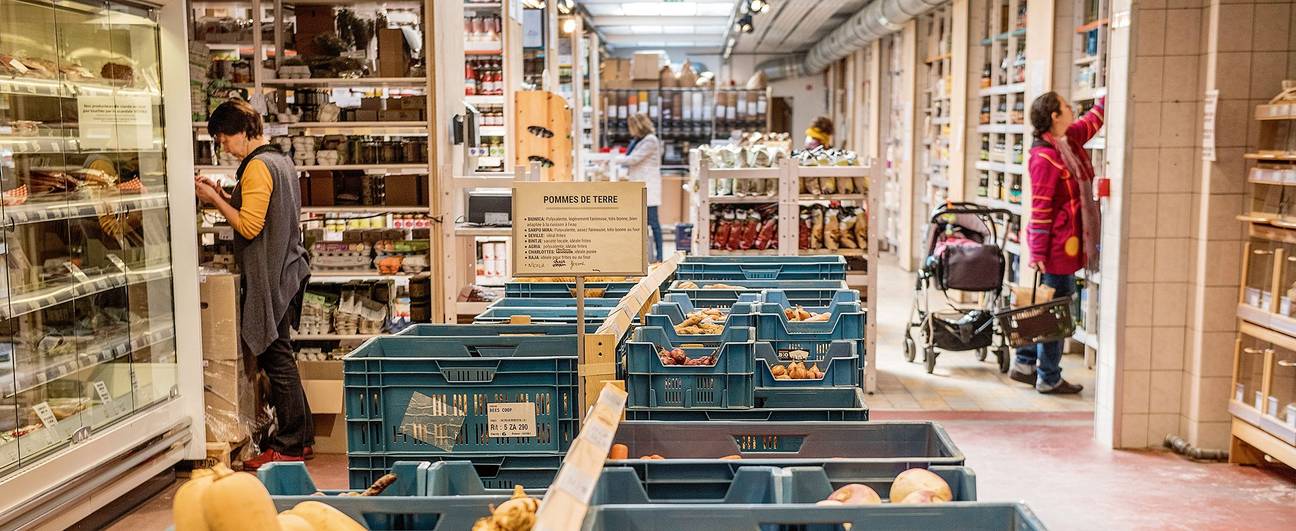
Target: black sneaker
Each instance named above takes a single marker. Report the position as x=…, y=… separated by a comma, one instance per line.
x=1027, y=378
x=1063, y=387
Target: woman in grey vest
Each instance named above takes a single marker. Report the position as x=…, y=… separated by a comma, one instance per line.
x=263, y=211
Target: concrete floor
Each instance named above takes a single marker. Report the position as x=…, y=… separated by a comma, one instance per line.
x=1023, y=446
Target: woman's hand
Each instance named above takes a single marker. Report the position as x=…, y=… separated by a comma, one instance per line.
x=207, y=192
x=1038, y=266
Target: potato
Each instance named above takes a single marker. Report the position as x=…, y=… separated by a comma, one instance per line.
x=778, y=370
x=619, y=451
x=916, y=479
x=829, y=502
x=922, y=496
x=856, y=494
x=734, y=457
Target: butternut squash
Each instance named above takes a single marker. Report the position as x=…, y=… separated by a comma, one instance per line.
x=237, y=501
x=187, y=508
x=323, y=517
x=291, y=522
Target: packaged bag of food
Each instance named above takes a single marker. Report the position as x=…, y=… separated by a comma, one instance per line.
x=803, y=232
x=767, y=238
x=845, y=185
x=848, y=220
x=861, y=228
x=817, y=227
x=828, y=185
x=832, y=230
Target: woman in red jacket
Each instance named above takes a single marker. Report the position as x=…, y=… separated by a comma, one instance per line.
x=1064, y=222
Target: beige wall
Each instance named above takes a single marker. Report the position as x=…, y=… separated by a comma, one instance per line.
x=1179, y=242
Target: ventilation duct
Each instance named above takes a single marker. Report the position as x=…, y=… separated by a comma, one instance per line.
x=876, y=20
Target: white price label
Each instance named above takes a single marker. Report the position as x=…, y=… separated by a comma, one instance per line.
x=117, y=261
x=276, y=129
x=575, y=482
x=598, y=433
x=8, y=453
x=102, y=390
x=45, y=414
x=76, y=272
x=515, y=419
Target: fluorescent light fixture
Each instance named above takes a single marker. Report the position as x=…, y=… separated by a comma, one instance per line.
x=664, y=9
x=678, y=30
x=568, y=25
x=646, y=30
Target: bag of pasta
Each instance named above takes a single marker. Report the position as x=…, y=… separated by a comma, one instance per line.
x=816, y=227
x=845, y=185
x=848, y=221
x=811, y=185
x=828, y=185
x=832, y=229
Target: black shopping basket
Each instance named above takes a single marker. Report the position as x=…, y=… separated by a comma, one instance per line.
x=1037, y=323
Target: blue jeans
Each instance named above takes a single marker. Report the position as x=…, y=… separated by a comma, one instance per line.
x=1049, y=355
x=654, y=225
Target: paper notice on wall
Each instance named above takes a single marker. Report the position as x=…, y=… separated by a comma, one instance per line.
x=1208, y=125
x=115, y=122
x=594, y=228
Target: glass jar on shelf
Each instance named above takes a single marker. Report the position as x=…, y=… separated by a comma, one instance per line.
x=1259, y=262
x=1281, y=403
x=1250, y=369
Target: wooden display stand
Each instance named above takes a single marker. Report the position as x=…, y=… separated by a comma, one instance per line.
x=538, y=108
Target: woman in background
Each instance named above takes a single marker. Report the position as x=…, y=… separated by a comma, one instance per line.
x=643, y=160
x=1064, y=222
x=820, y=133
x=273, y=265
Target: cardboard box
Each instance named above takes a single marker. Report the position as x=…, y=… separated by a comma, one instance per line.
x=229, y=398
x=614, y=68
x=313, y=21
x=365, y=115
x=402, y=190
x=393, y=53
x=321, y=188
x=373, y=104
x=647, y=65
x=614, y=84
x=667, y=77
x=400, y=115
x=303, y=189
x=645, y=84
x=330, y=433
x=412, y=103
x=218, y=298
x=322, y=381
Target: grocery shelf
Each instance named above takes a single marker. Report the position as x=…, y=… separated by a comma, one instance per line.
x=744, y=199
x=492, y=130
x=334, y=337
x=745, y=173
x=1084, y=28
x=1276, y=111
x=483, y=231
x=342, y=277
x=67, y=89
x=89, y=356
x=838, y=251
x=350, y=81
x=1086, y=94
x=830, y=171
x=1001, y=167
x=1274, y=156
x=61, y=292
x=36, y=212
x=764, y=252
x=1016, y=88
x=370, y=209
x=1007, y=129
x=832, y=197
x=485, y=100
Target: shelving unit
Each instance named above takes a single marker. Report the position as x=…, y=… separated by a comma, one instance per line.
x=894, y=152
x=1263, y=401
x=935, y=117
x=1002, y=138
x=685, y=117
x=1088, y=84
x=379, y=132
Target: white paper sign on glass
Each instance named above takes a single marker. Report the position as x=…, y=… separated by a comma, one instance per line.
x=117, y=122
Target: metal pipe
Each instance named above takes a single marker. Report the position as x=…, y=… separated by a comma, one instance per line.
x=1182, y=447
x=878, y=19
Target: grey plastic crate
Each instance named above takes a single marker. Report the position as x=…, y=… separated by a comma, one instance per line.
x=962, y=516
x=849, y=452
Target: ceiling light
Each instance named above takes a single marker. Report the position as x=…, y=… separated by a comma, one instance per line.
x=665, y=9
x=759, y=6
x=744, y=24
x=569, y=25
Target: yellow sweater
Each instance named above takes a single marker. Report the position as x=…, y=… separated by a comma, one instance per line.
x=257, y=187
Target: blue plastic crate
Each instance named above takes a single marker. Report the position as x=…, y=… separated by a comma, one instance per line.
x=557, y=302
x=502, y=314
x=838, y=359
x=840, y=397
x=849, y=452
x=961, y=516
x=560, y=290
x=501, y=472
x=776, y=296
x=430, y=396
x=845, y=321
x=491, y=330
x=666, y=315
x=808, y=293
x=727, y=384
x=772, y=406
x=829, y=267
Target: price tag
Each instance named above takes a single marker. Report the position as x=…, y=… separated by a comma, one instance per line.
x=511, y=419
x=276, y=129
x=102, y=390
x=598, y=433
x=45, y=414
x=76, y=272
x=117, y=261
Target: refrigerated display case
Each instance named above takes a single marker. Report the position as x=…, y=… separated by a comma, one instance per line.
x=91, y=367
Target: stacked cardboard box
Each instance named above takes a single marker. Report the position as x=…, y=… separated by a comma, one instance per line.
x=229, y=377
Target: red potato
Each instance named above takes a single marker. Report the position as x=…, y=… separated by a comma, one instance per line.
x=917, y=479
x=856, y=494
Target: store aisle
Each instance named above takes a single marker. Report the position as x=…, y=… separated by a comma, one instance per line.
x=960, y=383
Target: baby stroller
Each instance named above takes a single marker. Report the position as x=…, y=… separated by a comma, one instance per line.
x=964, y=253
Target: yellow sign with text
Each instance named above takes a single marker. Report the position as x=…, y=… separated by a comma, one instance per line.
x=568, y=229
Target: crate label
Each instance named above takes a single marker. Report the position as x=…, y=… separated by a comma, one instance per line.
x=45, y=414
x=511, y=419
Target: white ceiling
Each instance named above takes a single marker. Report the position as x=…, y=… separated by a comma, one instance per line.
x=703, y=25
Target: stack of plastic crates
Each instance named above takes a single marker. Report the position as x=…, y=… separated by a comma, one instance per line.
x=783, y=471
x=564, y=290
x=545, y=310
x=429, y=394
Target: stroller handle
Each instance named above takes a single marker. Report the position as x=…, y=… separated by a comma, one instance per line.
x=963, y=207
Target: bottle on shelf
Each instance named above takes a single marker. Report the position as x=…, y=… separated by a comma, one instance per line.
x=985, y=76
x=983, y=185
x=1015, y=192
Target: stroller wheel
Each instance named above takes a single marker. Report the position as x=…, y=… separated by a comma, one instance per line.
x=981, y=354
x=1005, y=359
x=910, y=348
x=929, y=359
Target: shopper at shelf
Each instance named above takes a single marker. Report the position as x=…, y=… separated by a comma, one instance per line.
x=820, y=133
x=263, y=209
x=1064, y=222
x=643, y=160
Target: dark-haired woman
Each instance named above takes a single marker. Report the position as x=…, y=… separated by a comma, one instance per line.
x=1064, y=222
x=263, y=211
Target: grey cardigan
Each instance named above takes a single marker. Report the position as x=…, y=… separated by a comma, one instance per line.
x=274, y=263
